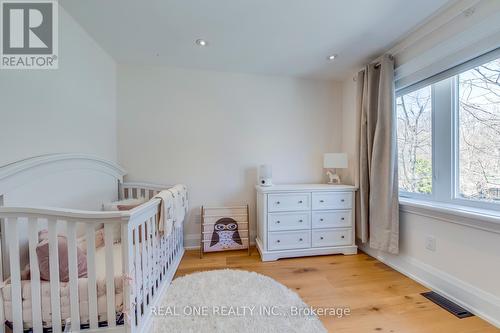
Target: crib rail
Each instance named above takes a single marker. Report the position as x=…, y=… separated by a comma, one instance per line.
x=148, y=262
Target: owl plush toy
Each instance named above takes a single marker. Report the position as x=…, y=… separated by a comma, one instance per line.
x=225, y=234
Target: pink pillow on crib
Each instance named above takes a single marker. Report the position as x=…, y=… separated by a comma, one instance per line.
x=42, y=251
x=81, y=241
x=99, y=240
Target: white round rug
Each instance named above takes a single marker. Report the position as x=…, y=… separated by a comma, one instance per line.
x=232, y=301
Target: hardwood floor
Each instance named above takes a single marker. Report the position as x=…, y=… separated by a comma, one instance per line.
x=380, y=298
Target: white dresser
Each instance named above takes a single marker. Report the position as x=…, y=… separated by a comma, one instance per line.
x=305, y=220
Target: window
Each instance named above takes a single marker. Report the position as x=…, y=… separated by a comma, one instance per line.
x=479, y=132
x=448, y=131
x=414, y=112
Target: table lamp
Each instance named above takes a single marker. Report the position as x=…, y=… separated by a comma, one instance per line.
x=331, y=162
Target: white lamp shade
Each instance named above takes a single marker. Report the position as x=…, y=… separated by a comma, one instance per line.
x=266, y=171
x=335, y=161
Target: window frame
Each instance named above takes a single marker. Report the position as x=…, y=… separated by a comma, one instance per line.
x=446, y=142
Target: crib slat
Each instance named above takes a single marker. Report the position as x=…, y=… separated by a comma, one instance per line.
x=155, y=253
x=156, y=247
x=144, y=267
x=170, y=248
x=91, y=276
x=110, y=275
x=162, y=254
x=36, y=305
x=55, y=299
x=73, y=276
x=161, y=239
x=128, y=285
x=150, y=260
x=138, y=275
x=15, y=274
x=166, y=251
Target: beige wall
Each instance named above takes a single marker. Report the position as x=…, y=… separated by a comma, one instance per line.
x=210, y=130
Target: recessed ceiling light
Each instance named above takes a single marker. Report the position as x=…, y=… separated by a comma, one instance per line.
x=332, y=57
x=201, y=42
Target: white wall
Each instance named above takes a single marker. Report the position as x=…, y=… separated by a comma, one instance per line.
x=210, y=130
x=71, y=109
x=466, y=264
x=349, y=127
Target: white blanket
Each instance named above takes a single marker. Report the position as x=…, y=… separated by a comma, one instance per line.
x=166, y=216
x=180, y=203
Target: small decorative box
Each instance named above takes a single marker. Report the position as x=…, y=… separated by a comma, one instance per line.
x=224, y=228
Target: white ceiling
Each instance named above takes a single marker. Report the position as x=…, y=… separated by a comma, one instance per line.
x=276, y=37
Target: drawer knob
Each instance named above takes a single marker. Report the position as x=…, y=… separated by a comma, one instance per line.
x=301, y=221
x=342, y=219
x=278, y=222
x=321, y=220
x=278, y=241
x=342, y=236
x=342, y=200
x=322, y=201
x=277, y=202
x=300, y=239
x=321, y=238
x=300, y=201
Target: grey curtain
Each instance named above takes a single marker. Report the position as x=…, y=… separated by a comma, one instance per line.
x=377, y=216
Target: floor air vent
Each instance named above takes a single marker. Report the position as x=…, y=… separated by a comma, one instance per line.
x=448, y=305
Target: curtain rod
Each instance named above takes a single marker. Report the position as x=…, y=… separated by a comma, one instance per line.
x=377, y=61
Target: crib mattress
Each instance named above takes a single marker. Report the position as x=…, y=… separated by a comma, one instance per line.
x=65, y=294
x=64, y=301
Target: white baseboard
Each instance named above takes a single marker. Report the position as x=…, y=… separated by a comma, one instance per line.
x=192, y=241
x=187, y=248
x=475, y=300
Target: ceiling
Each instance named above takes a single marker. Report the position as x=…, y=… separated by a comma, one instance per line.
x=274, y=37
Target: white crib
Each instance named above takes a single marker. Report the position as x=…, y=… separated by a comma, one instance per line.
x=148, y=258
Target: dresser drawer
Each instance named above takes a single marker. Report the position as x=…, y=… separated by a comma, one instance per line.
x=288, y=221
x=331, y=219
x=331, y=200
x=331, y=237
x=288, y=240
x=288, y=202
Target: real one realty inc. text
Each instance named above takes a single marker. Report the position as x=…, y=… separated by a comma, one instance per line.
x=254, y=310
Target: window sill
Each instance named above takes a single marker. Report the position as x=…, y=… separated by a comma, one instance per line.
x=482, y=219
